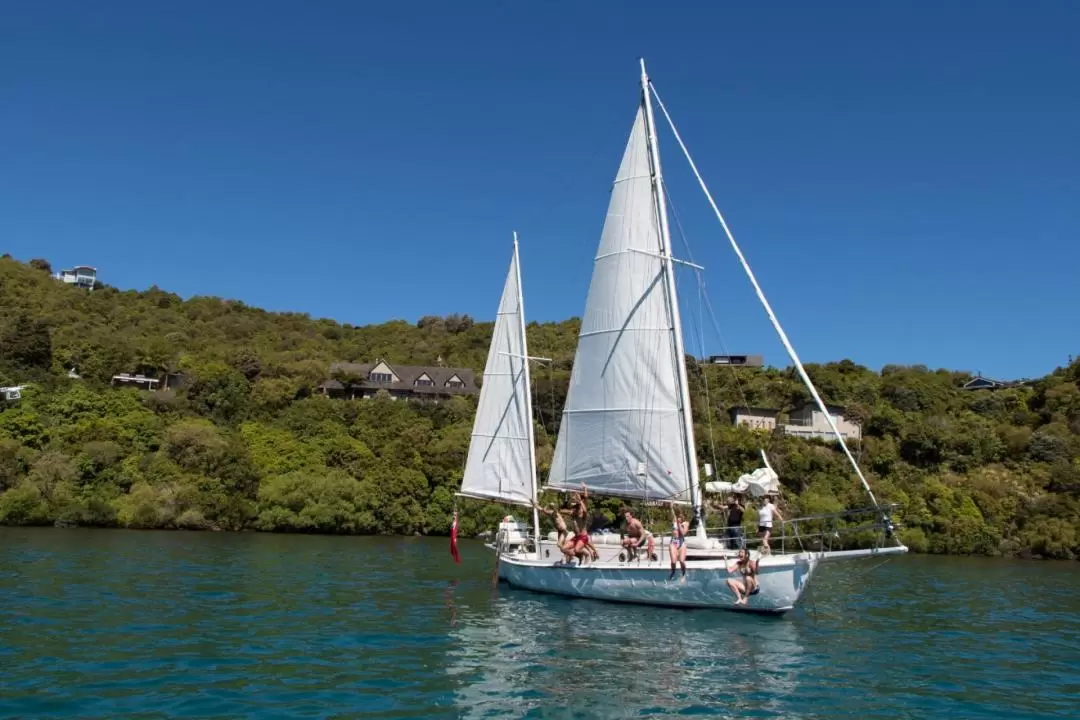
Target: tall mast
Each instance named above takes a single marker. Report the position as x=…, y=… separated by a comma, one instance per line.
x=530, y=430
x=673, y=303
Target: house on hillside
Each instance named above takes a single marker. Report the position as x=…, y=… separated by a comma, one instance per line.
x=983, y=383
x=402, y=382
x=82, y=276
x=739, y=360
x=166, y=381
x=754, y=418
x=140, y=381
x=807, y=421
x=11, y=393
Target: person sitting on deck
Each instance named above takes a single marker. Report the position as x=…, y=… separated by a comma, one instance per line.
x=748, y=568
x=766, y=514
x=677, y=548
x=636, y=535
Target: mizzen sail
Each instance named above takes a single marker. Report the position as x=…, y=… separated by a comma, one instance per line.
x=621, y=431
x=500, y=466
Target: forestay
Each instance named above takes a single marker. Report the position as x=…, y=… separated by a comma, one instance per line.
x=621, y=432
x=499, y=466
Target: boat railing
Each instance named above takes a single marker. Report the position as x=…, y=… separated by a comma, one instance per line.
x=842, y=530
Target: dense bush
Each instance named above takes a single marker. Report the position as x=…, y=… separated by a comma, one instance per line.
x=244, y=444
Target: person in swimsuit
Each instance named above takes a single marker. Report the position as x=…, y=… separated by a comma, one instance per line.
x=677, y=548
x=580, y=544
x=636, y=535
x=560, y=527
x=748, y=569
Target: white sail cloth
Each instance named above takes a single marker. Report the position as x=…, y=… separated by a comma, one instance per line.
x=499, y=466
x=621, y=431
x=759, y=483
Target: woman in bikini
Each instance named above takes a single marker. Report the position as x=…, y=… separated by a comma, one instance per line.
x=677, y=548
x=560, y=527
x=580, y=545
x=746, y=587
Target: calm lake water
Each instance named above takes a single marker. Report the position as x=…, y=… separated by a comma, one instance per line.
x=105, y=624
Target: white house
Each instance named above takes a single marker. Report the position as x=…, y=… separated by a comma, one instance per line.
x=754, y=418
x=808, y=421
x=139, y=381
x=82, y=276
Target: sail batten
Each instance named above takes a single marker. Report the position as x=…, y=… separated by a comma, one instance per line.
x=499, y=465
x=622, y=431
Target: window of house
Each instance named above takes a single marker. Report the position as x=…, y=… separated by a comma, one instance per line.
x=425, y=382
x=381, y=377
x=454, y=382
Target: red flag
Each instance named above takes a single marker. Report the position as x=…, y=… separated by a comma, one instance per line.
x=453, y=541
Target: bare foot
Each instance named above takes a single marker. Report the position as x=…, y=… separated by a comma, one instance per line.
x=683, y=580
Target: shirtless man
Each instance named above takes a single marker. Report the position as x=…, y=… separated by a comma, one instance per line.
x=635, y=534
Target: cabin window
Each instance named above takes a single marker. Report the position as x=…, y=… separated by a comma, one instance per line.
x=381, y=377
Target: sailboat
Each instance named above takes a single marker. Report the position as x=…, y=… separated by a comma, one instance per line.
x=626, y=427
x=501, y=465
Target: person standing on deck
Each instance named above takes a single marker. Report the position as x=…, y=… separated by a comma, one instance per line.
x=677, y=548
x=766, y=515
x=735, y=509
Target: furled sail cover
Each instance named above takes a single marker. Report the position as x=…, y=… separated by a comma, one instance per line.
x=499, y=466
x=621, y=433
x=759, y=483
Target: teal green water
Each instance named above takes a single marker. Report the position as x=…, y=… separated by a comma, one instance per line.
x=105, y=624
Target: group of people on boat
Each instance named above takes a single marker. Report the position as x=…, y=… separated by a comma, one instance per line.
x=575, y=544
x=578, y=545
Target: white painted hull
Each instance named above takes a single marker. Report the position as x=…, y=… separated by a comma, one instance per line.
x=782, y=578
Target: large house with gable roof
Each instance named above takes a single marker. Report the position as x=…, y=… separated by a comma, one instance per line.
x=401, y=382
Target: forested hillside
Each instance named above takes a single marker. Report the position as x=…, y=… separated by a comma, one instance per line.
x=244, y=444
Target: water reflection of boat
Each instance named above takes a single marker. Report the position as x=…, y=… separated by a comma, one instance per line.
x=526, y=652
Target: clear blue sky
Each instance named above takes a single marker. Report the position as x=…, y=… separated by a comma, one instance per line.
x=904, y=178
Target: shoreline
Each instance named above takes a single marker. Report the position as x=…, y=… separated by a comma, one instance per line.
x=477, y=538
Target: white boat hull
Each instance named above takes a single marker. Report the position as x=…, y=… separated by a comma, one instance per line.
x=782, y=580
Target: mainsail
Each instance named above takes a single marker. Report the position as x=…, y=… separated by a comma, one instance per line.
x=500, y=464
x=622, y=432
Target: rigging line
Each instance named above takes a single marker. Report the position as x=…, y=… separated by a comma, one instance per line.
x=709, y=411
x=708, y=304
x=765, y=303
x=695, y=324
x=703, y=296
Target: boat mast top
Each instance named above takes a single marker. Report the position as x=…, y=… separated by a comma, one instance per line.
x=673, y=302
x=529, y=429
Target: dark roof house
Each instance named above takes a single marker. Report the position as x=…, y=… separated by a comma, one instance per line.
x=413, y=381
x=984, y=383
